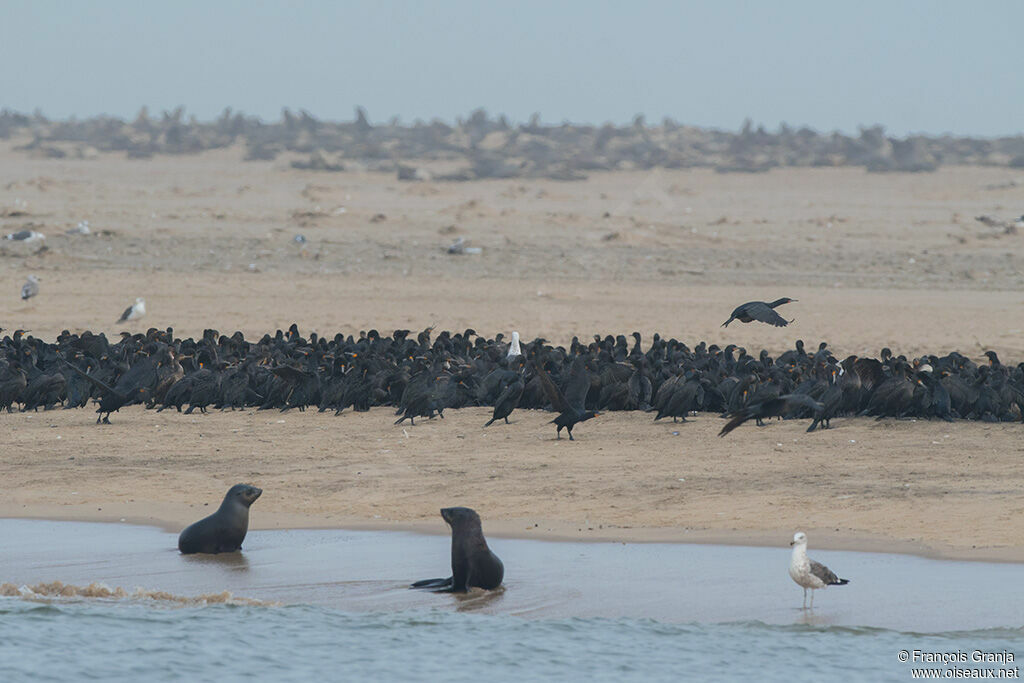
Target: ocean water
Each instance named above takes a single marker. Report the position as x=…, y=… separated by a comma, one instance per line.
x=117, y=602
x=137, y=642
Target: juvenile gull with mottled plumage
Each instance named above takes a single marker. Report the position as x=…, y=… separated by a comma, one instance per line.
x=30, y=288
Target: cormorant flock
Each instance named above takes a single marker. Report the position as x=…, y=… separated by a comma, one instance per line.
x=422, y=375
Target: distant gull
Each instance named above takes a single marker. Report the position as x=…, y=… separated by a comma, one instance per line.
x=513, y=347
x=807, y=573
x=26, y=236
x=299, y=239
x=81, y=229
x=30, y=288
x=135, y=311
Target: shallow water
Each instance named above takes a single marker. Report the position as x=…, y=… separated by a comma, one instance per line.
x=606, y=611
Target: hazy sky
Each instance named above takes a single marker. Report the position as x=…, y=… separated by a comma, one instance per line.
x=913, y=66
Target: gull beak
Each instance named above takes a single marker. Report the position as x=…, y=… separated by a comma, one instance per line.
x=792, y=542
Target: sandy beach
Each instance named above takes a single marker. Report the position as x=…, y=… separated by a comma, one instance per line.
x=874, y=259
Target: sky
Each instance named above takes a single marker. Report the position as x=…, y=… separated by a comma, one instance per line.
x=926, y=66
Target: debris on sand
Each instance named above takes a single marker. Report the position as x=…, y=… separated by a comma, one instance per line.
x=81, y=229
x=1004, y=227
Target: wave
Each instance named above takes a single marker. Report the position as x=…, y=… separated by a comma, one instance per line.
x=99, y=591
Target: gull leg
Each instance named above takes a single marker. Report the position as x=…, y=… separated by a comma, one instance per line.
x=805, y=599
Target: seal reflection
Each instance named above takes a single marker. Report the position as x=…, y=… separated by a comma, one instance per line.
x=236, y=561
x=477, y=599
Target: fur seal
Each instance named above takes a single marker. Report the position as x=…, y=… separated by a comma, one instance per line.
x=224, y=530
x=473, y=563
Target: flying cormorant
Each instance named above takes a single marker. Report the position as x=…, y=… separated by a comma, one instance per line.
x=760, y=311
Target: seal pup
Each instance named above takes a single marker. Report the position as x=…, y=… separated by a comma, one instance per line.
x=807, y=573
x=224, y=530
x=30, y=288
x=135, y=311
x=473, y=563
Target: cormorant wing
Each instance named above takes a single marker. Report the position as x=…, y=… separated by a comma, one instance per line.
x=803, y=401
x=736, y=313
x=760, y=311
x=93, y=380
x=738, y=418
x=771, y=407
x=554, y=395
x=290, y=374
x=510, y=390
x=870, y=371
x=578, y=385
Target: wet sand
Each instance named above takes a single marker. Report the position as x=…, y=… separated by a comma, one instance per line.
x=942, y=489
x=875, y=260
x=370, y=571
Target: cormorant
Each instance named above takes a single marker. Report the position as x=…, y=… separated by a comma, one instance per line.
x=760, y=311
x=507, y=401
x=569, y=405
x=111, y=400
x=772, y=407
x=12, y=382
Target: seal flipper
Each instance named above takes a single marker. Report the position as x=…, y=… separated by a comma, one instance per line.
x=433, y=583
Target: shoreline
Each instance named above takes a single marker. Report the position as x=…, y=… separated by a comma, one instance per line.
x=937, y=490
x=370, y=571
x=554, y=531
